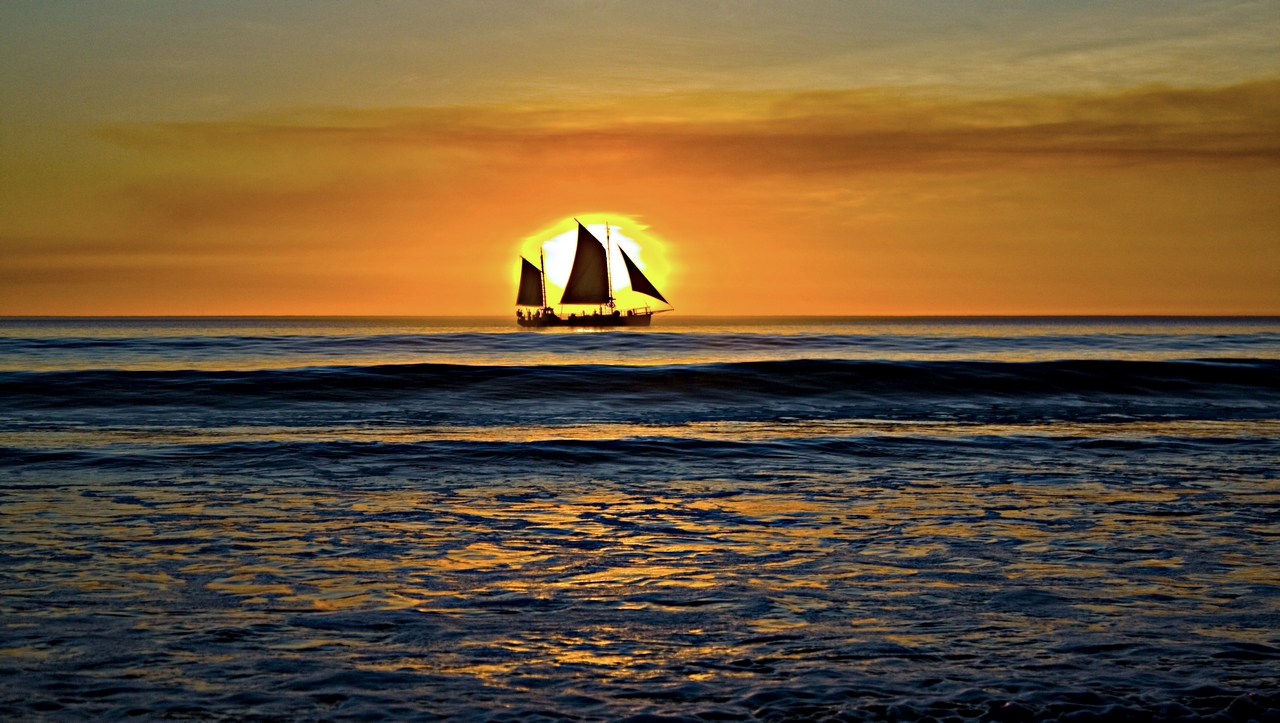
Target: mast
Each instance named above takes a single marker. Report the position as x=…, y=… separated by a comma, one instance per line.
x=542, y=265
x=608, y=262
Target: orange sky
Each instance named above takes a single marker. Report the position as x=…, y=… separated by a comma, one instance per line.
x=907, y=199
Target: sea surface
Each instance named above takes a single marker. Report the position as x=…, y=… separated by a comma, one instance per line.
x=993, y=519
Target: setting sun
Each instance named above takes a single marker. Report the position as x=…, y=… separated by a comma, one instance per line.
x=558, y=241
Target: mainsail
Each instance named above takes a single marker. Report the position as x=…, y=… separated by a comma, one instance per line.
x=589, y=278
x=530, y=284
x=638, y=280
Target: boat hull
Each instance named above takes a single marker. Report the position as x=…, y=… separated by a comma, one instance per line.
x=586, y=321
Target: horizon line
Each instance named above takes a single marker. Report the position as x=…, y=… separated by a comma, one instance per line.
x=1276, y=316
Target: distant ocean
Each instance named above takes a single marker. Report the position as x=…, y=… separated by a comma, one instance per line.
x=997, y=519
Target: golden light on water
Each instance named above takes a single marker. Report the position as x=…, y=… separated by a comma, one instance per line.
x=558, y=242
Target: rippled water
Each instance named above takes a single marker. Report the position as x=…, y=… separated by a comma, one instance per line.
x=712, y=520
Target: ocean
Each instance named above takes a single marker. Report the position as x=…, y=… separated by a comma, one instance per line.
x=714, y=519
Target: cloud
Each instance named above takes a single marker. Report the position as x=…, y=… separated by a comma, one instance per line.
x=775, y=132
x=1153, y=200
x=321, y=166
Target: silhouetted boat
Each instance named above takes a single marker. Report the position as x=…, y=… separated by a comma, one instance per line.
x=589, y=283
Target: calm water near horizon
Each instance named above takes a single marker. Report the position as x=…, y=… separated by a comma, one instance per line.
x=945, y=519
x=224, y=343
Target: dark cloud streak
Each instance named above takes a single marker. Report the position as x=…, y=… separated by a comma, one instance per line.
x=801, y=133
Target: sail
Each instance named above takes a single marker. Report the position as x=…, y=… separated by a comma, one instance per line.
x=638, y=281
x=589, y=279
x=530, y=285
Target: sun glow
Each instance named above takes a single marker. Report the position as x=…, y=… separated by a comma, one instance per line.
x=558, y=242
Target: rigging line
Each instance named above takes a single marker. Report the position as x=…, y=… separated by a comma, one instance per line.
x=608, y=261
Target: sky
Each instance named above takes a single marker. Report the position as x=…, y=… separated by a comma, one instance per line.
x=800, y=157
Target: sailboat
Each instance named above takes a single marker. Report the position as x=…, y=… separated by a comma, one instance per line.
x=589, y=283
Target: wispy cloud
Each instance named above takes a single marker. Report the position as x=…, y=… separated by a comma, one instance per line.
x=789, y=132
x=323, y=162
x=886, y=201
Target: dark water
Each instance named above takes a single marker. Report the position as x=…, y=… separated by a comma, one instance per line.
x=824, y=519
